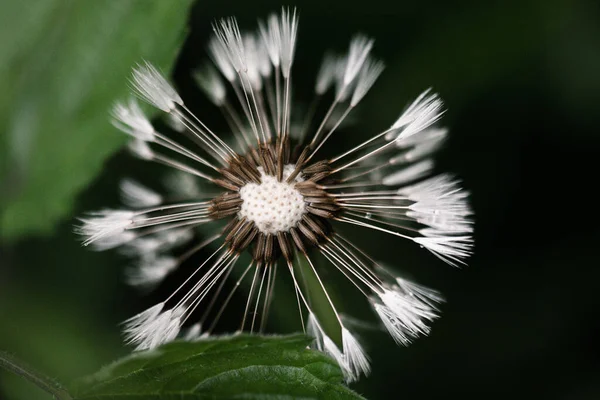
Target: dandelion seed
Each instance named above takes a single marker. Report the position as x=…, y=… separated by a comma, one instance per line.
x=151, y=86
x=278, y=198
x=151, y=271
x=327, y=73
x=135, y=195
x=355, y=356
x=211, y=84
x=131, y=119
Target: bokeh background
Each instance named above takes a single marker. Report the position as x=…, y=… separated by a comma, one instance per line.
x=521, y=81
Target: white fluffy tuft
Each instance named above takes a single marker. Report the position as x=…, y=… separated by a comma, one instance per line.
x=289, y=30
x=279, y=38
x=360, y=46
x=422, y=113
x=331, y=349
x=441, y=203
x=355, y=357
x=113, y=240
x=209, y=80
x=160, y=242
x=152, y=327
x=252, y=51
x=366, y=79
x=422, y=293
x=183, y=185
x=105, y=225
x=271, y=35
x=130, y=119
x=151, y=86
x=409, y=174
x=450, y=249
x=431, y=134
x=136, y=195
x=140, y=149
x=327, y=73
x=314, y=330
x=194, y=332
x=353, y=360
x=228, y=34
x=151, y=271
x=218, y=54
x=404, y=314
x=420, y=151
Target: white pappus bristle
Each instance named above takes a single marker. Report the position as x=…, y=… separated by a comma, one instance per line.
x=182, y=185
x=404, y=315
x=228, y=33
x=360, y=46
x=209, y=80
x=113, y=240
x=313, y=329
x=420, y=151
x=422, y=293
x=136, y=195
x=440, y=203
x=150, y=85
x=160, y=242
x=288, y=29
x=327, y=73
x=105, y=223
x=366, y=78
x=450, y=249
x=330, y=348
x=194, y=332
x=271, y=35
x=423, y=112
x=130, y=119
x=140, y=149
x=409, y=174
x=151, y=271
x=356, y=358
x=152, y=327
x=252, y=51
x=218, y=54
x=431, y=134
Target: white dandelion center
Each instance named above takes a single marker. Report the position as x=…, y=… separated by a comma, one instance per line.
x=272, y=205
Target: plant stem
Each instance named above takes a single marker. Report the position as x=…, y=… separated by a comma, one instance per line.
x=18, y=367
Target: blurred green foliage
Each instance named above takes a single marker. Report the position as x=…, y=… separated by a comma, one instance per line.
x=521, y=80
x=63, y=64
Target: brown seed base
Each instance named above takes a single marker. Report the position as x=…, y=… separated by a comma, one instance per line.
x=240, y=233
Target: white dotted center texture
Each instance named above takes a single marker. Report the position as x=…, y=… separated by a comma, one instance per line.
x=273, y=206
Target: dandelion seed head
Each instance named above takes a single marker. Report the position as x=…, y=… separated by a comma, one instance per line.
x=274, y=193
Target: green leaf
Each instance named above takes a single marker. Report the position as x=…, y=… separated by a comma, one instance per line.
x=62, y=64
x=235, y=367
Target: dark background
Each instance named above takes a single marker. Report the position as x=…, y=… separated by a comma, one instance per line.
x=521, y=81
